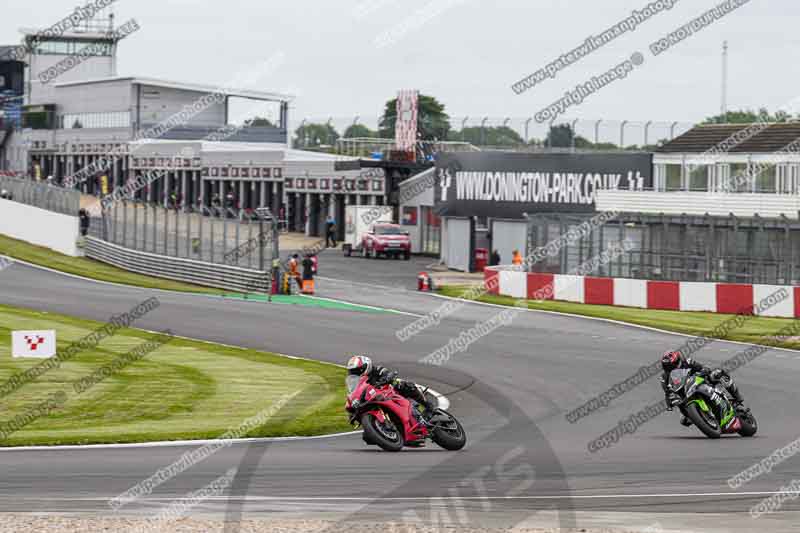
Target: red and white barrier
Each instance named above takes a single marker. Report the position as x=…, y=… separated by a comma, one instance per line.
x=728, y=298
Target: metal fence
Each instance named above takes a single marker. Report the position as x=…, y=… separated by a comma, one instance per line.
x=678, y=248
x=211, y=235
x=197, y=272
x=216, y=247
x=41, y=195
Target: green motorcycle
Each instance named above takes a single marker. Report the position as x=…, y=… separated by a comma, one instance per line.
x=710, y=406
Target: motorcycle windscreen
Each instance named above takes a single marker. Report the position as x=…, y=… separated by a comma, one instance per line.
x=351, y=382
x=677, y=378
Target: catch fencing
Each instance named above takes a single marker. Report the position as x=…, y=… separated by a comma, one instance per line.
x=41, y=195
x=213, y=235
x=749, y=250
x=217, y=247
x=176, y=268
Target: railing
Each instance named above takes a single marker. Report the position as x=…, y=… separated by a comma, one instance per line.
x=40, y=195
x=175, y=268
x=230, y=133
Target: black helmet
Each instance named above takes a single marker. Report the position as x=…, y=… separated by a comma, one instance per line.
x=671, y=360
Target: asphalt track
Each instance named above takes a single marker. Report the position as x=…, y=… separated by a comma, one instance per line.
x=524, y=462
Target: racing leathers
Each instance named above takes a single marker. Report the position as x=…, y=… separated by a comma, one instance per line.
x=714, y=376
x=380, y=375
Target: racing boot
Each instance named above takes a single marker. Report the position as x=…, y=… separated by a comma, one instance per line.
x=738, y=401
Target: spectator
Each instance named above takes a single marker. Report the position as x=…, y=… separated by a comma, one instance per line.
x=330, y=232
x=83, y=216
x=517, y=260
x=308, y=268
x=294, y=266
x=494, y=259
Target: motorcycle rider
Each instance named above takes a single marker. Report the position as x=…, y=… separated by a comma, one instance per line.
x=672, y=360
x=360, y=365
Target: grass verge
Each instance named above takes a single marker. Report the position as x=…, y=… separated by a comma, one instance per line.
x=89, y=268
x=755, y=330
x=185, y=389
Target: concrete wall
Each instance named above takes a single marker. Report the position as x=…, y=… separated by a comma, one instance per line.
x=37, y=226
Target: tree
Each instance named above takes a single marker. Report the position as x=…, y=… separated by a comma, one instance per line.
x=560, y=136
x=748, y=116
x=258, y=121
x=491, y=136
x=359, y=130
x=315, y=135
x=432, y=122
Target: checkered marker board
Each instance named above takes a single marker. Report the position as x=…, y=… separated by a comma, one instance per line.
x=33, y=343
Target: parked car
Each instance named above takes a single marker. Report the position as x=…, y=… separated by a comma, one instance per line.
x=388, y=239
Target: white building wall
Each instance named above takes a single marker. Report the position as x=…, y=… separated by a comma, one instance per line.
x=160, y=103
x=96, y=67
x=115, y=95
x=700, y=203
x=415, y=193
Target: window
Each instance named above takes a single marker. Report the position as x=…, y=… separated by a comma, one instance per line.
x=68, y=48
x=112, y=119
x=698, y=177
x=765, y=177
x=673, y=177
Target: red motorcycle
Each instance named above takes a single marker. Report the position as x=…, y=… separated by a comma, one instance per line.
x=392, y=421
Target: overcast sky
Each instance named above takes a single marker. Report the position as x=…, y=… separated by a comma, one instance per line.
x=467, y=53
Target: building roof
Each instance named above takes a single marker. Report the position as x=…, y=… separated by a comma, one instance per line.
x=229, y=146
x=195, y=87
x=5, y=52
x=699, y=139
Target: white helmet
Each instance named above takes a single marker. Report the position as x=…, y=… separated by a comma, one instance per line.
x=358, y=365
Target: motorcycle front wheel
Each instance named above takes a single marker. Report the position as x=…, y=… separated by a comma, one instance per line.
x=704, y=422
x=384, y=434
x=448, y=433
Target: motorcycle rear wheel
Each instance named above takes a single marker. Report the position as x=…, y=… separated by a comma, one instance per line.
x=451, y=437
x=699, y=419
x=749, y=425
x=387, y=436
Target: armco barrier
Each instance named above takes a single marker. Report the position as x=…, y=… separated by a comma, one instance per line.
x=175, y=268
x=728, y=298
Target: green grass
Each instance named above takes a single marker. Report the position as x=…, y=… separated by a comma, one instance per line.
x=186, y=389
x=756, y=330
x=89, y=268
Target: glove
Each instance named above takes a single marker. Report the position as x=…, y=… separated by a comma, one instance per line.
x=388, y=376
x=716, y=374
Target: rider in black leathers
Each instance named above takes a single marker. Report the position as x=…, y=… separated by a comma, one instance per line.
x=674, y=359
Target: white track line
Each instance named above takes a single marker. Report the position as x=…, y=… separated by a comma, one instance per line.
x=377, y=308
x=608, y=320
x=171, y=443
x=214, y=296
x=375, y=499
x=559, y=313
